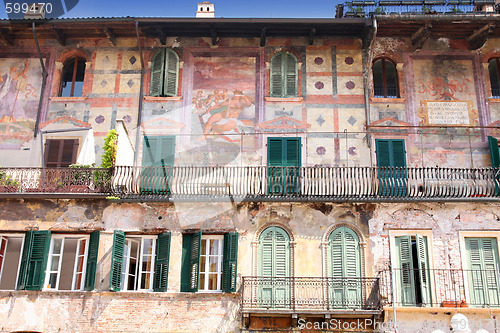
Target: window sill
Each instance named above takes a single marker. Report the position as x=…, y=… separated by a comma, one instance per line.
x=387, y=100
x=162, y=99
x=494, y=99
x=67, y=99
x=284, y=99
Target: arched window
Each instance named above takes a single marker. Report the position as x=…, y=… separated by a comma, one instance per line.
x=284, y=75
x=493, y=68
x=164, y=73
x=345, y=285
x=385, y=79
x=72, y=78
x=274, y=262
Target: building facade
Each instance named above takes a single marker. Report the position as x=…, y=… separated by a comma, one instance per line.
x=270, y=174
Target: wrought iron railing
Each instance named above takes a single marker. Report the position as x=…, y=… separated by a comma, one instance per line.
x=309, y=293
x=55, y=180
x=441, y=288
x=369, y=8
x=287, y=183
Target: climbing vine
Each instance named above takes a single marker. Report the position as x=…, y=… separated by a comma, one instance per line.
x=110, y=148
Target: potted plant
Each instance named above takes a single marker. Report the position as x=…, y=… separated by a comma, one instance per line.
x=7, y=183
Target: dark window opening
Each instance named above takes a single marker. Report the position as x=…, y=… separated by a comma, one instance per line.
x=493, y=69
x=60, y=153
x=72, y=78
x=385, y=80
x=416, y=272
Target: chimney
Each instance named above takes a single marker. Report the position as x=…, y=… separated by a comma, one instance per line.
x=205, y=9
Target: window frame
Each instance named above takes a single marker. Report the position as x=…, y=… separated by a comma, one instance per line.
x=59, y=163
x=220, y=260
x=394, y=261
x=74, y=73
x=14, y=235
x=140, y=239
x=384, y=79
x=162, y=91
x=50, y=256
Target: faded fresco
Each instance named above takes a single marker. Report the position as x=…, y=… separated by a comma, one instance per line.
x=445, y=91
x=224, y=96
x=20, y=83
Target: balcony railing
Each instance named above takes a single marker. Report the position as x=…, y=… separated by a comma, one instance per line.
x=309, y=294
x=369, y=8
x=441, y=288
x=58, y=181
x=311, y=183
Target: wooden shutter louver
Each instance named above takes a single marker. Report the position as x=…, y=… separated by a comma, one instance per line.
x=157, y=70
x=115, y=277
x=162, y=261
x=90, y=272
x=230, y=260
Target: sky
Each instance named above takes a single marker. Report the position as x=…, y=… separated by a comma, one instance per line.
x=187, y=8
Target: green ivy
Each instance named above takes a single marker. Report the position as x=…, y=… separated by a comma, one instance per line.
x=110, y=148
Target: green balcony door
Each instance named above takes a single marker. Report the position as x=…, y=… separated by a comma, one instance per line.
x=482, y=257
x=157, y=161
x=273, y=267
x=391, y=160
x=344, y=284
x=495, y=161
x=412, y=271
x=283, y=160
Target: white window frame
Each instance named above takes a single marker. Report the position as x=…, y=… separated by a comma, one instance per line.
x=7, y=236
x=463, y=251
x=139, y=240
x=206, y=270
x=394, y=259
x=51, y=255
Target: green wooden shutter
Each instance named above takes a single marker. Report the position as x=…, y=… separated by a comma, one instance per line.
x=292, y=151
x=21, y=280
x=90, y=271
x=190, y=262
x=391, y=155
x=482, y=255
x=115, y=276
x=291, y=77
x=171, y=73
x=398, y=153
x=405, y=270
x=495, y=156
x=277, y=85
x=423, y=267
x=383, y=153
x=275, y=151
x=230, y=261
x=37, y=262
x=157, y=70
x=162, y=261
x=158, y=151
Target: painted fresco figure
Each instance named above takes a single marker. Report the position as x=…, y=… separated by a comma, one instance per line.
x=225, y=115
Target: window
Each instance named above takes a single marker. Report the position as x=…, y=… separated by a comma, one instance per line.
x=60, y=153
x=274, y=263
x=385, y=79
x=284, y=75
x=345, y=269
x=412, y=271
x=482, y=261
x=140, y=262
x=391, y=160
x=72, y=77
x=158, y=155
x=164, y=73
x=209, y=262
x=283, y=158
x=58, y=262
x=10, y=255
x=494, y=68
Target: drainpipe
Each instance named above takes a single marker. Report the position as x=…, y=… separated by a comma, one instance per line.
x=367, y=56
x=44, y=82
x=141, y=91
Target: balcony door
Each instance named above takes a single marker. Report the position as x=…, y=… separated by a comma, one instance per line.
x=495, y=161
x=391, y=161
x=412, y=271
x=482, y=258
x=283, y=160
x=344, y=284
x=157, y=160
x=274, y=268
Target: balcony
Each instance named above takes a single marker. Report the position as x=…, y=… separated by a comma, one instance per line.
x=310, y=295
x=289, y=184
x=446, y=288
x=55, y=182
